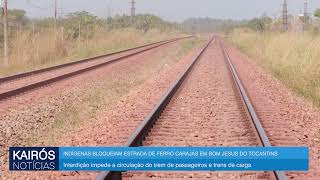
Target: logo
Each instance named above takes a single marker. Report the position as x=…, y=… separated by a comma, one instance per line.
x=34, y=159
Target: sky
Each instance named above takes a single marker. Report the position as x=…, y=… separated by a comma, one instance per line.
x=172, y=10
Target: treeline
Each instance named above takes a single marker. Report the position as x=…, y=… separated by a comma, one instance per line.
x=295, y=23
x=141, y=22
x=208, y=25
x=260, y=24
x=82, y=24
x=42, y=42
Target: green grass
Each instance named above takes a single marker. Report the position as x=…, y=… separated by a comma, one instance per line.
x=188, y=45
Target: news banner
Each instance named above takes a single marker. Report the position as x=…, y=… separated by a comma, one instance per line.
x=159, y=159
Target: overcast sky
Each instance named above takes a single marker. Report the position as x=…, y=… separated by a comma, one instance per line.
x=173, y=10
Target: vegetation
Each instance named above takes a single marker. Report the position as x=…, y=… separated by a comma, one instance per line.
x=317, y=13
x=36, y=43
x=142, y=22
x=293, y=58
x=209, y=25
x=260, y=24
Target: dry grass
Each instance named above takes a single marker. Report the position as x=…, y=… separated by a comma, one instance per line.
x=111, y=41
x=33, y=51
x=293, y=58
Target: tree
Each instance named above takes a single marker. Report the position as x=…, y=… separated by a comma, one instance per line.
x=260, y=24
x=143, y=22
x=17, y=16
x=317, y=13
x=80, y=22
x=83, y=16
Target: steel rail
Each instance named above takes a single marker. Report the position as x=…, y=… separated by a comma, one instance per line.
x=144, y=128
x=30, y=87
x=22, y=75
x=280, y=175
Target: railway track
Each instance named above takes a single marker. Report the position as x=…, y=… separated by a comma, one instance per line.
x=206, y=106
x=21, y=83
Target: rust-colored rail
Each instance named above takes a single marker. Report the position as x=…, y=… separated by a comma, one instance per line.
x=142, y=131
x=23, y=89
x=248, y=104
x=39, y=71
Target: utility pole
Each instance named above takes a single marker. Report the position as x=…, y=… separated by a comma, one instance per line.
x=20, y=30
x=79, y=32
x=55, y=18
x=55, y=11
x=305, y=13
x=62, y=34
x=33, y=29
x=285, y=16
x=133, y=8
x=108, y=12
x=108, y=20
x=5, y=32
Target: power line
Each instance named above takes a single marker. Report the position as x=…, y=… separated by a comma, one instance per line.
x=34, y=5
